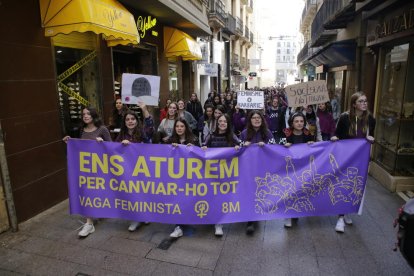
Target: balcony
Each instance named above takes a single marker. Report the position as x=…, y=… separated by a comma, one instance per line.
x=249, y=6
x=308, y=14
x=246, y=33
x=230, y=25
x=239, y=26
x=303, y=54
x=340, y=13
x=320, y=35
x=216, y=15
x=251, y=38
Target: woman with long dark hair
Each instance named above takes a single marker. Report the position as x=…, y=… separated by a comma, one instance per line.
x=134, y=131
x=92, y=129
x=223, y=136
x=256, y=132
x=182, y=135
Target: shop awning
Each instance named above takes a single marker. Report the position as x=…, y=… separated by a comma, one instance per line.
x=178, y=43
x=106, y=17
x=338, y=53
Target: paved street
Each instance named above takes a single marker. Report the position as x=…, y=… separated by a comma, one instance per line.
x=48, y=245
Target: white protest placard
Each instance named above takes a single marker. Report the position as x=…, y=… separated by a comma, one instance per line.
x=250, y=99
x=307, y=93
x=136, y=87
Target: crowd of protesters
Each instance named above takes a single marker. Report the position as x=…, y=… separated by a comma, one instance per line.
x=219, y=122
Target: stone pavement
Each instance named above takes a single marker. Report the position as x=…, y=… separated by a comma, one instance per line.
x=48, y=245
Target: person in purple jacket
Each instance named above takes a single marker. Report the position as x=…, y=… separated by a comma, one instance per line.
x=256, y=132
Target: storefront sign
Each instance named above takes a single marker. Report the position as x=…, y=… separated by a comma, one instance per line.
x=250, y=99
x=146, y=23
x=208, y=69
x=399, y=21
x=137, y=87
x=162, y=183
x=307, y=93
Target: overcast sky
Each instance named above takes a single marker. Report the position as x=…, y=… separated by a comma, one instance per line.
x=277, y=17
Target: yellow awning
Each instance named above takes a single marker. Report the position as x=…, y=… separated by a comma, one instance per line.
x=106, y=17
x=178, y=43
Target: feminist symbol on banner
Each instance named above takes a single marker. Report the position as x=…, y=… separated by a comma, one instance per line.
x=201, y=208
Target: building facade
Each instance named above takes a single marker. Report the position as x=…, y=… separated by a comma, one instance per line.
x=59, y=57
x=368, y=46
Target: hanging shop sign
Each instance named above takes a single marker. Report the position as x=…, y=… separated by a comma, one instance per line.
x=78, y=65
x=252, y=74
x=395, y=24
x=208, y=69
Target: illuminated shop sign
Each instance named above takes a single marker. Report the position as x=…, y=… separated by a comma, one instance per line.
x=146, y=24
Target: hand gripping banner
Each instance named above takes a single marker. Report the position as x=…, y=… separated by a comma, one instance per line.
x=186, y=185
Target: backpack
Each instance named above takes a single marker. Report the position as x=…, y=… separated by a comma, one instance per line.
x=405, y=235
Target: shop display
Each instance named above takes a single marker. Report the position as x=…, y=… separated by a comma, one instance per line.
x=394, y=148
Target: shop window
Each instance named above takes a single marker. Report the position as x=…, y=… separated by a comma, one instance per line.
x=173, y=81
x=139, y=60
x=78, y=78
x=394, y=134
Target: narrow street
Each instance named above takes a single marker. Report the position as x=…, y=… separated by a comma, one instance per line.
x=48, y=245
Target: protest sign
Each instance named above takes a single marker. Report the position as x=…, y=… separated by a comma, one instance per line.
x=307, y=93
x=187, y=185
x=143, y=88
x=250, y=99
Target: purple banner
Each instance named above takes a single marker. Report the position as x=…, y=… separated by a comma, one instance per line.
x=186, y=185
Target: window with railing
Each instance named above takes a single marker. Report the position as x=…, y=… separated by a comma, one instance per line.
x=239, y=25
x=217, y=8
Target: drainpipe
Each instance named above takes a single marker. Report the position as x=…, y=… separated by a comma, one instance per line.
x=7, y=185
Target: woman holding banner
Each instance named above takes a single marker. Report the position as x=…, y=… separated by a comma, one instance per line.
x=133, y=131
x=182, y=135
x=223, y=136
x=256, y=132
x=210, y=125
x=296, y=133
x=357, y=122
x=92, y=129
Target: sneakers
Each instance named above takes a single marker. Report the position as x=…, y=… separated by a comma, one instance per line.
x=347, y=220
x=250, y=228
x=340, y=225
x=86, y=230
x=219, y=230
x=178, y=232
x=288, y=223
x=133, y=226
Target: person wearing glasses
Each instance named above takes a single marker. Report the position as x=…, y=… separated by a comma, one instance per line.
x=256, y=132
x=357, y=122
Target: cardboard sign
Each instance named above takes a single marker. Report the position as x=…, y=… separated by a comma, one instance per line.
x=250, y=99
x=307, y=93
x=143, y=88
